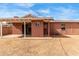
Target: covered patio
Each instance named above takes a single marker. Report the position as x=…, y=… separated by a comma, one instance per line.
x=28, y=27
x=12, y=21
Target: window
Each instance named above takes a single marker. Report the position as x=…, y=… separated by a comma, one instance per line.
x=63, y=26
x=37, y=23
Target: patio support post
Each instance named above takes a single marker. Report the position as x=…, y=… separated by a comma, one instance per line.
x=24, y=29
x=48, y=29
x=1, y=29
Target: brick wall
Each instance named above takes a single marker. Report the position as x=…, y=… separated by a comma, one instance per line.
x=6, y=30
x=17, y=28
x=70, y=28
x=37, y=30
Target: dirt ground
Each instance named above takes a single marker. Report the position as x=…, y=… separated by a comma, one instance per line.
x=44, y=46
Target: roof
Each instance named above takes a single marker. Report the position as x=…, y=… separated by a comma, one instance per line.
x=30, y=17
x=65, y=20
x=26, y=18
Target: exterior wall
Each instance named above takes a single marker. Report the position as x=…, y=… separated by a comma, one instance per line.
x=71, y=28
x=37, y=30
x=7, y=30
x=17, y=28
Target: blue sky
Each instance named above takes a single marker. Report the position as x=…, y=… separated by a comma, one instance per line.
x=55, y=10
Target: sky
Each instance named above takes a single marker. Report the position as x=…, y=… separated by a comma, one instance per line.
x=57, y=11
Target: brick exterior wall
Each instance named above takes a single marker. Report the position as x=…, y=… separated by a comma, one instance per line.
x=71, y=28
x=37, y=29
x=17, y=28
x=7, y=30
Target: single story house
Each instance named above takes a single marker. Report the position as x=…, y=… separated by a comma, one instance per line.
x=30, y=25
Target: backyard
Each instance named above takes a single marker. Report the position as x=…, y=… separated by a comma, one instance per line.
x=43, y=46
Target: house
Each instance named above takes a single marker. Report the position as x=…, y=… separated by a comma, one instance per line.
x=30, y=25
